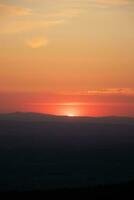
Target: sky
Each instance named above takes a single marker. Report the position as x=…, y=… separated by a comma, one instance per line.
x=67, y=57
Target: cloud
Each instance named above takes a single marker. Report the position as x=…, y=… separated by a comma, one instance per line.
x=37, y=19
x=28, y=25
x=112, y=2
x=110, y=96
x=66, y=13
x=110, y=91
x=115, y=1
x=11, y=10
x=76, y=1
x=37, y=42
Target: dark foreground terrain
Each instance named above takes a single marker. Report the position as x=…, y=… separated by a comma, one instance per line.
x=51, y=155
x=114, y=191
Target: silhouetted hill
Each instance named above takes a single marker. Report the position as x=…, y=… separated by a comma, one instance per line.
x=29, y=116
x=22, y=116
x=43, y=152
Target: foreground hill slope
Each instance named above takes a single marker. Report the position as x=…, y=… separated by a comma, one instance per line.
x=60, y=152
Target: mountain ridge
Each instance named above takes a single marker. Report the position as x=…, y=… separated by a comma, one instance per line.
x=33, y=116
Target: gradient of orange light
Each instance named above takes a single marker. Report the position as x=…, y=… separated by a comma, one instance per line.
x=88, y=110
x=83, y=105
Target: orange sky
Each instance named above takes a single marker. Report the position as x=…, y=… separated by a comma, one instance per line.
x=67, y=56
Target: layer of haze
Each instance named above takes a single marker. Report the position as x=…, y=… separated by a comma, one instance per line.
x=67, y=57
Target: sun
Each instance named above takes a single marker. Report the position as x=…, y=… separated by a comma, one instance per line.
x=70, y=111
x=71, y=115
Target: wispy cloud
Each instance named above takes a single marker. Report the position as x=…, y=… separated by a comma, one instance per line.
x=66, y=13
x=85, y=98
x=106, y=3
x=38, y=20
x=110, y=91
x=114, y=2
x=37, y=42
x=103, y=92
x=11, y=10
x=28, y=25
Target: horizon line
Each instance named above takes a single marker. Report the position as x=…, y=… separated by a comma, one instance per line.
x=59, y=115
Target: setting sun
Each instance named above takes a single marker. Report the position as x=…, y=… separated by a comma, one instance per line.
x=70, y=115
x=70, y=111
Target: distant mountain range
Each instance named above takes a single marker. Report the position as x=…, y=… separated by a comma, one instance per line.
x=40, y=117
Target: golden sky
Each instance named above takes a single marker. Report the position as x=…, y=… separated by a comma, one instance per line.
x=62, y=54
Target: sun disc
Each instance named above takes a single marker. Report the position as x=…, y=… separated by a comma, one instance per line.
x=70, y=115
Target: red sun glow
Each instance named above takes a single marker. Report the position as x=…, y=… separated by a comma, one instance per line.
x=71, y=115
x=71, y=112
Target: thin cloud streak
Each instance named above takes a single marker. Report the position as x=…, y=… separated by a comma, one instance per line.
x=109, y=91
x=11, y=10
x=27, y=26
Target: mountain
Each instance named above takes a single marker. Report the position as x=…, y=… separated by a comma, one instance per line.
x=46, y=152
x=40, y=117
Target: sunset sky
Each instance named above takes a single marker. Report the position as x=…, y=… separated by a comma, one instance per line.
x=67, y=57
